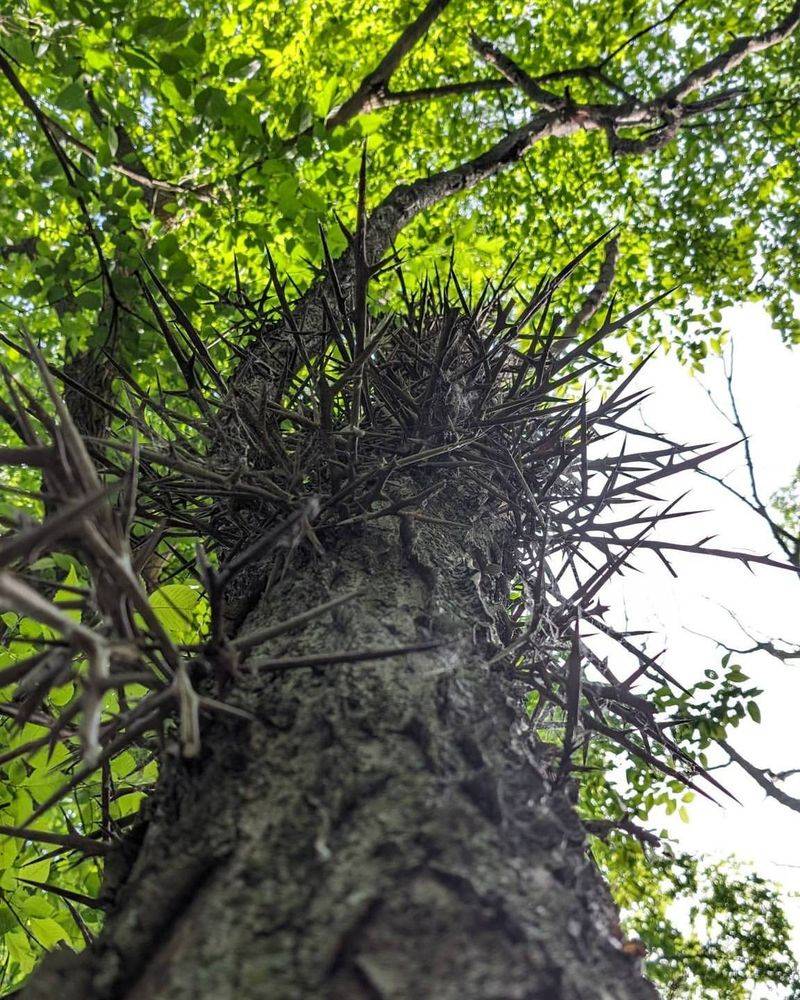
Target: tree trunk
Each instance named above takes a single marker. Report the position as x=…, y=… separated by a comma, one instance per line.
x=385, y=830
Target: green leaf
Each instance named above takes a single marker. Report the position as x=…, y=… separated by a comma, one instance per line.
x=71, y=97
x=67, y=596
x=176, y=606
x=324, y=100
x=113, y=139
x=37, y=872
x=48, y=931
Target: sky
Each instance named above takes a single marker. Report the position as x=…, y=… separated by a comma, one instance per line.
x=767, y=602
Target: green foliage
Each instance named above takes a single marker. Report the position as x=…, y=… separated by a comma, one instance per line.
x=204, y=103
x=711, y=931
x=787, y=503
x=33, y=920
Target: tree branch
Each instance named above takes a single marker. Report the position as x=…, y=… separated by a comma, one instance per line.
x=406, y=200
x=788, y=543
x=516, y=75
x=598, y=293
x=667, y=111
x=373, y=91
x=54, y=130
x=759, y=775
x=65, y=163
x=127, y=151
x=378, y=79
x=644, y=31
x=733, y=56
x=391, y=98
x=143, y=179
x=26, y=246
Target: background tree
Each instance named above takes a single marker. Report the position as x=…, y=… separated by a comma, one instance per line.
x=159, y=137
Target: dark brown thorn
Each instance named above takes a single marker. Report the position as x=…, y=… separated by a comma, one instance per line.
x=73, y=842
x=339, y=656
x=258, y=636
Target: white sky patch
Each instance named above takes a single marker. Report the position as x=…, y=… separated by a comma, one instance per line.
x=767, y=384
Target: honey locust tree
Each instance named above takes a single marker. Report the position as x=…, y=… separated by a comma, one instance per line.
x=353, y=685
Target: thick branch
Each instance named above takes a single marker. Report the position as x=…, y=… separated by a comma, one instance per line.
x=516, y=75
x=377, y=80
x=391, y=98
x=407, y=200
x=598, y=293
x=668, y=106
x=733, y=56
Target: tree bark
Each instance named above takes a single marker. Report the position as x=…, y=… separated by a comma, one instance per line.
x=385, y=830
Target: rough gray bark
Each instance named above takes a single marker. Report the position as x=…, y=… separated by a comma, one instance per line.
x=384, y=831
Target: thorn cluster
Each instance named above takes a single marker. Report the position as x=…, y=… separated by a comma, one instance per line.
x=361, y=417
